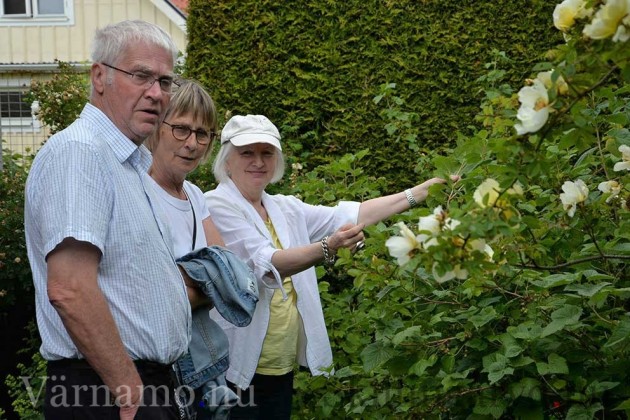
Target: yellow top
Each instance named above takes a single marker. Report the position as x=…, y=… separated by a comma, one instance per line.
x=279, y=349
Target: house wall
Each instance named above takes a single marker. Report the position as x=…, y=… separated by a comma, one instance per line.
x=36, y=45
x=44, y=44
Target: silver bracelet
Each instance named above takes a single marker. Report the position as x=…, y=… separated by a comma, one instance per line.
x=328, y=259
x=410, y=198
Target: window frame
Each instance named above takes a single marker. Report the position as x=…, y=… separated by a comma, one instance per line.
x=33, y=18
x=26, y=123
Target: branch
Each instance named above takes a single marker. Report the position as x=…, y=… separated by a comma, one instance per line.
x=455, y=395
x=574, y=262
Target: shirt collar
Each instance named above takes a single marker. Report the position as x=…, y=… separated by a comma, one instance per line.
x=124, y=149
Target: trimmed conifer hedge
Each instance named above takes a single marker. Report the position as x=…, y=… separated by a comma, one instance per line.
x=315, y=67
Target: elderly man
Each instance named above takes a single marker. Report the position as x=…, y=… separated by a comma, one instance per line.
x=112, y=308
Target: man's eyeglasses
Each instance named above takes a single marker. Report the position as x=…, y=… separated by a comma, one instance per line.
x=182, y=132
x=146, y=80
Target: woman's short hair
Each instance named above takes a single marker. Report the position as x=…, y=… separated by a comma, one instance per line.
x=111, y=41
x=219, y=168
x=190, y=99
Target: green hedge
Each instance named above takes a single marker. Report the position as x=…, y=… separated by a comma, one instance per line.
x=315, y=67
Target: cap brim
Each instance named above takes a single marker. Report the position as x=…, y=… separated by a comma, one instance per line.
x=251, y=138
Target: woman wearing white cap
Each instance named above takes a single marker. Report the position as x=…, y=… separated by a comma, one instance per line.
x=282, y=239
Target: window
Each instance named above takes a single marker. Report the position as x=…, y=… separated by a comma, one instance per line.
x=14, y=112
x=12, y=105
x=25, y=12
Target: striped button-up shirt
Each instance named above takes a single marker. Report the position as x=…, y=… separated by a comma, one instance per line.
x=89, y=182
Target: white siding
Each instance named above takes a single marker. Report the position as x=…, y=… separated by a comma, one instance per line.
x=32, y=44
x=44, y=44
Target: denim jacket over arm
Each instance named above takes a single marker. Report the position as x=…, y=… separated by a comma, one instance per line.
x=231, y=287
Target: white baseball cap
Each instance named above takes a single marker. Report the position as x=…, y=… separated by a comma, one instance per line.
x=242, y=130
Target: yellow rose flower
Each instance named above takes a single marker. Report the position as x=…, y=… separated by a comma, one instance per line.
x=566, y=13
x=610, y=20
x=489, y=188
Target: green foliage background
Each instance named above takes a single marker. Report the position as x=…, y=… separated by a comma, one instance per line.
x=314, y=68
x=540, y=331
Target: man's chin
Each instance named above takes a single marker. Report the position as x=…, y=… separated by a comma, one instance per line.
x=148, y=126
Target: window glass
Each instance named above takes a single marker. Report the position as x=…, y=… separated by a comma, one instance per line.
x=50, y=7
x=14, y=7
x=12, y=105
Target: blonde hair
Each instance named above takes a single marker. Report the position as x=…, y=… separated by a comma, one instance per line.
x=189, y=99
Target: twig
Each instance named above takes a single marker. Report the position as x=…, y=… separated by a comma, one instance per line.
x=574, y=262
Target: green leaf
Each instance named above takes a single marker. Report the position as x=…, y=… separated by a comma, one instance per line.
x=623, y=248
x=556, y=364
x=497, y=366
x=345, y=372
x=561, y=318
x=512, y=350
x=555, y=280
x=490, y=407
x=623, y=406
x=526, y=387
x=580, y=412
x=595, y=276
x=521, y=361
x=407, y=334
x=484, y=316
x=456, y=379
x=526, y=331
x=328, y=402
x=384, y=397
x=620, y=335
x=421, y=366
x=376, y=354
x=596, y=388
x=586, y=290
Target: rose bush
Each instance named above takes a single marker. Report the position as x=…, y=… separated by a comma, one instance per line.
x=521, y=309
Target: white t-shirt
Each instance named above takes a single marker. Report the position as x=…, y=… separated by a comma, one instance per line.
x=180, y=217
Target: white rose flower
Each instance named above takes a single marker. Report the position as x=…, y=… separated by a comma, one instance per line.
x=456, y=272
x=566, y=13
x=534, y=110
x=517, y=189
x=489, y=188
x=431, y=223
x=451, y=224
x=612, y=187
x=609, y=21
x=624, y=165
x=574, y=193
x=401, y=246
x=623, y=31
x=481, y=246
x=561, y=84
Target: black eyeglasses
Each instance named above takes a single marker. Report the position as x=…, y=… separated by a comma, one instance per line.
x=146, y=80
x=182, y=132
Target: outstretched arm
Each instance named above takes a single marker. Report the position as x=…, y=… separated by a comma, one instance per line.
x=293, y=260
x=378, y=209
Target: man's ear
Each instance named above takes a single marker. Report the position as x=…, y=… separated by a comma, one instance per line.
x=99, y=78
